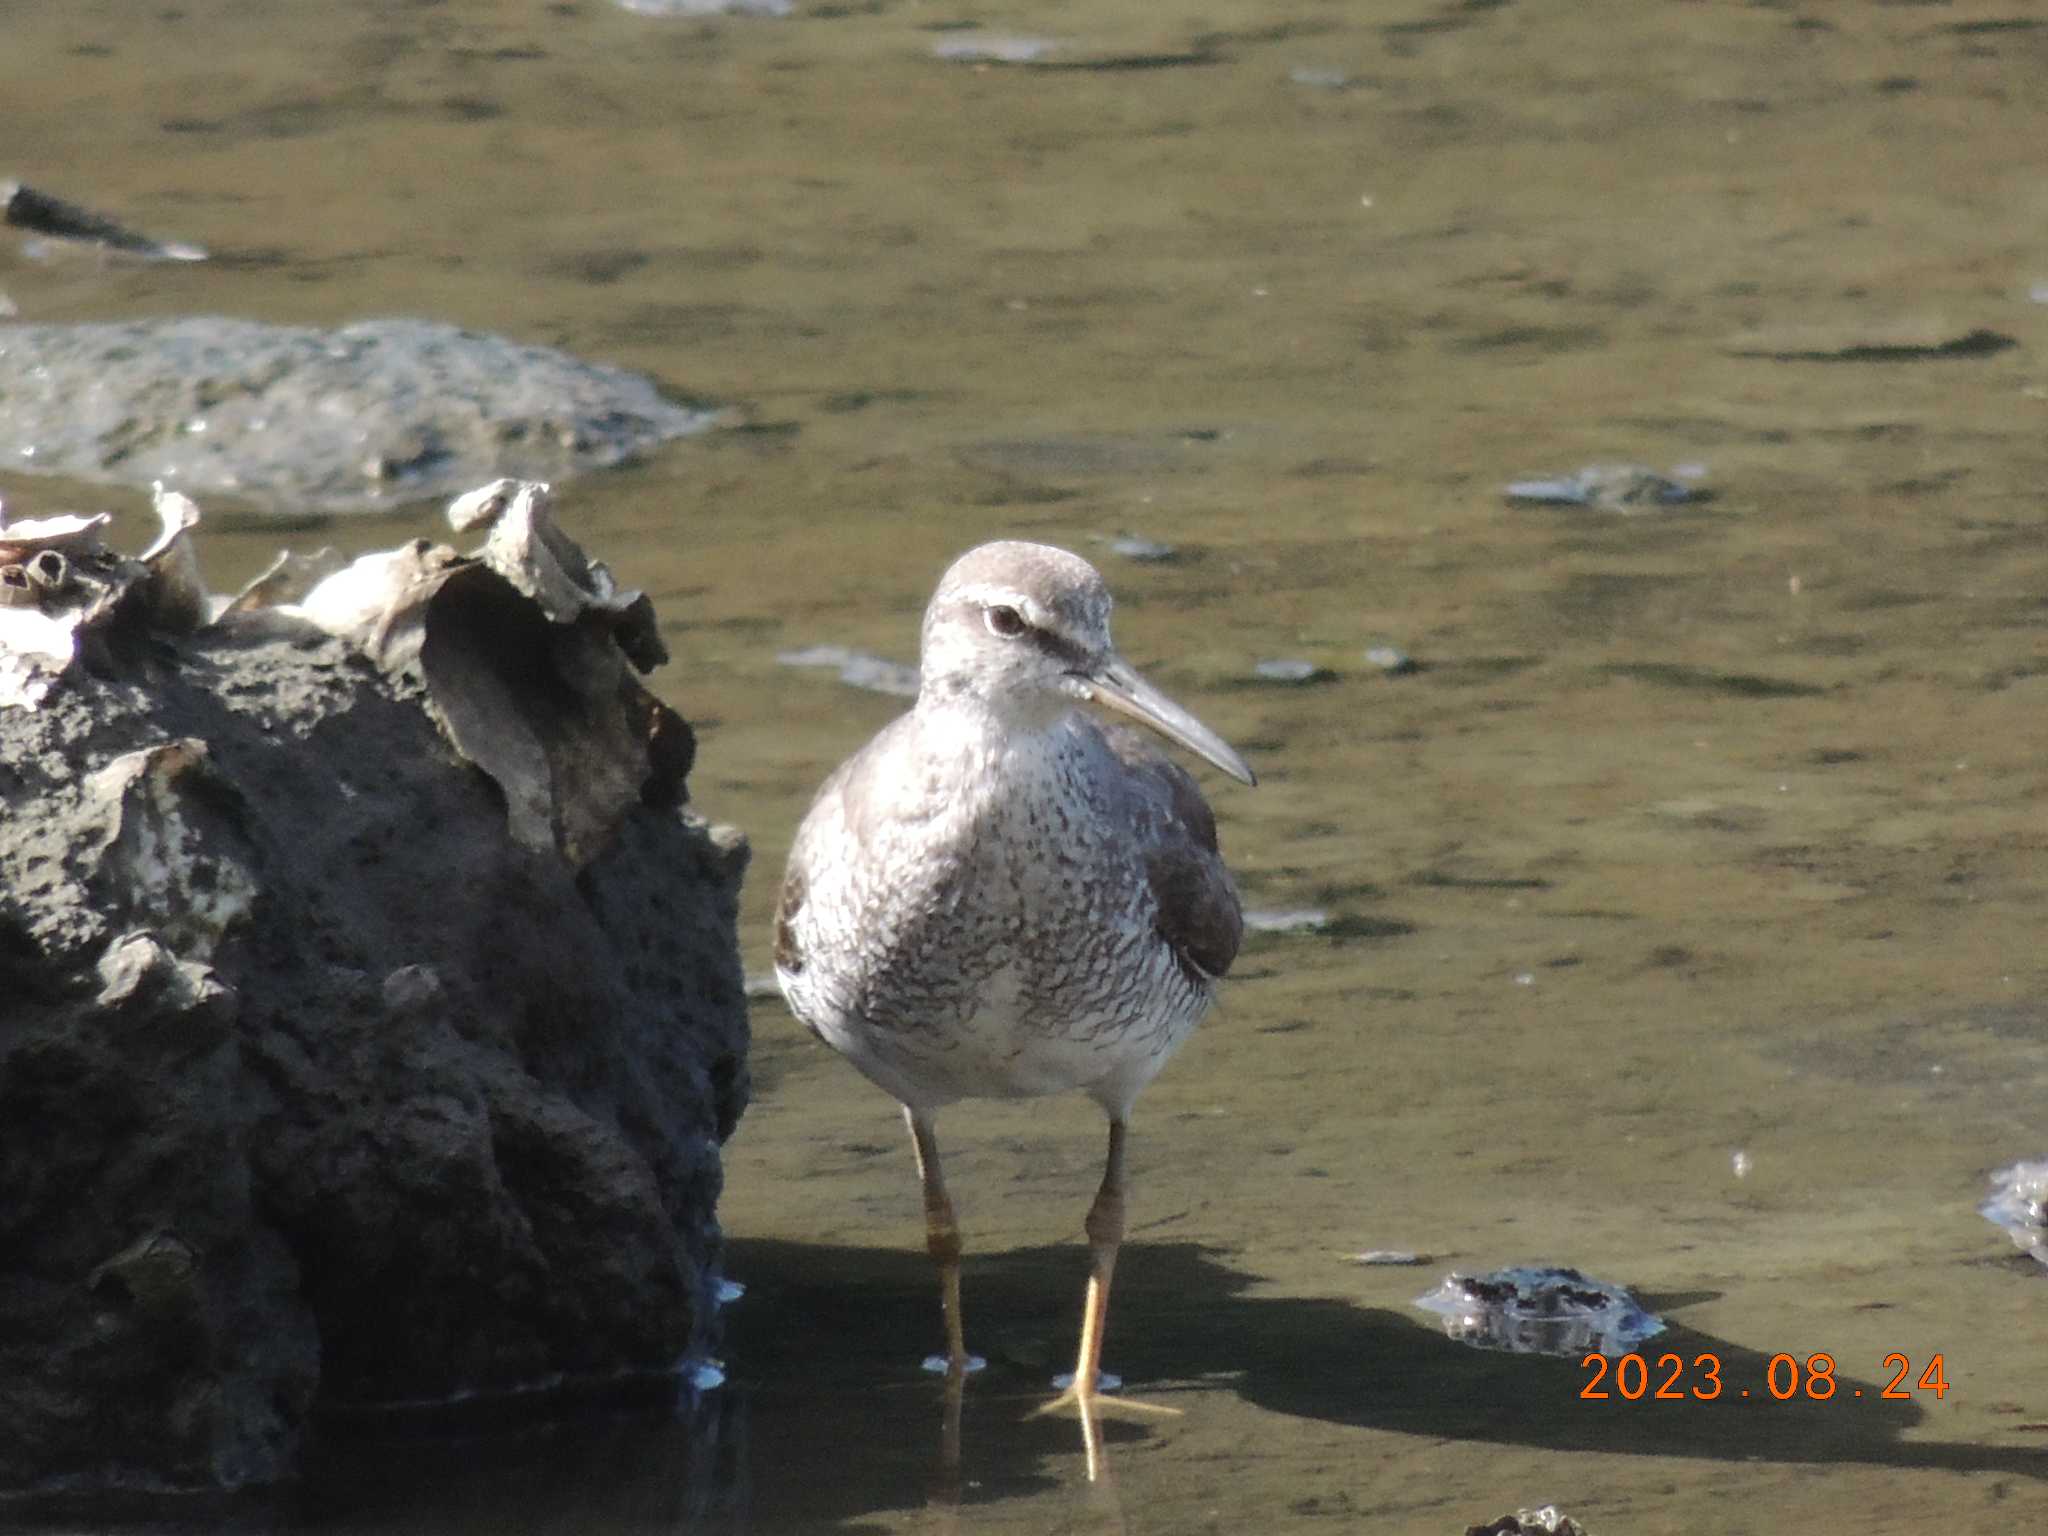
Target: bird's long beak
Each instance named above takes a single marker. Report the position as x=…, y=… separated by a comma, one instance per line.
x=1117, y=684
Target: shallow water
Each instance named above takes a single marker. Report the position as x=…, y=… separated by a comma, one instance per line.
x=1709, y=829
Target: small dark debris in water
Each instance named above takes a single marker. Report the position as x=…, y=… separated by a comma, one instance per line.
x=1540, y=1310
x=1391, y=660
x=1747, y=685
x=1146, y=551
x=857, y=669
x=1291, y=670
x=1445, y=879
x=599, y=268
x=1530, y=1522
x=1993, y=24
x=1288, y=1027
x=471, y=109
x=1136, y=59
x=1354, y=925
x=2019, y=1203
x=1062, y=458
x=1020, y=494
x=1976, y=343
x=1540, y=338
x=849, y=401
x=1423, y=27
x=1329, y=468
x=1610, y=487
x=42, y=214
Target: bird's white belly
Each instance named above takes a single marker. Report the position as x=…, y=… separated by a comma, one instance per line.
x=1002, y=1046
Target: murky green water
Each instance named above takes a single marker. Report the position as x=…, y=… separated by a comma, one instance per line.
x=1712, y=830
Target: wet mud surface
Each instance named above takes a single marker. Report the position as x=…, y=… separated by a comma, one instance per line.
x=1706, y=829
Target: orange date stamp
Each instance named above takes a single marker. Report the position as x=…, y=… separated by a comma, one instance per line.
x=1670, y=1378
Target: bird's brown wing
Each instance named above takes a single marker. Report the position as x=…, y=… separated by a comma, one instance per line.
x=789, y=953
x=1198, y=912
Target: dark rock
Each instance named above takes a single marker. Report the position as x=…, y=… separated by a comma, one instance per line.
x=317, y=1086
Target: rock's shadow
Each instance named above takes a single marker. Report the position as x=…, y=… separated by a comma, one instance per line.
x=828, y=1421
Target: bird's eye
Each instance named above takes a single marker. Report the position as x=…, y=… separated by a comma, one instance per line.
x=1005, y=621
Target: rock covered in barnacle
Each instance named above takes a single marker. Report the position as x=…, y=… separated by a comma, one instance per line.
x=390, y=1079
x=60, y=583
x=2018, y=1202
x=479, y=630
x=1543, y=1310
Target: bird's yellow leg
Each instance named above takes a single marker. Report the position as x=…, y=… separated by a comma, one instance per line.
x=1105, y=1237
x=942, y=1238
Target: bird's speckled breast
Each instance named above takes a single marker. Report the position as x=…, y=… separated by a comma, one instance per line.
x=996, y=934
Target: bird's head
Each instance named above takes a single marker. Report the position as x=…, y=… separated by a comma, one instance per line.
x=1024, y=630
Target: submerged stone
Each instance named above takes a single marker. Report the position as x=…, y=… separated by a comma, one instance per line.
x=1547, y=1521
x=1144, y=551
x=292, y=420
x=857, y=669
x=1610, y=487
x=1541, y=1310
x=1290, y=669
x=2018, y=1202
x=1285, y=920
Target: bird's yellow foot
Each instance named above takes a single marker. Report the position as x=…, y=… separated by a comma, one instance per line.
x=1096, y=1404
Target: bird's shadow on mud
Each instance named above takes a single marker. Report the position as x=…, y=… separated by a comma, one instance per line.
x=825, y=1347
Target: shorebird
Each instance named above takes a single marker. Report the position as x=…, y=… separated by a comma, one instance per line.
x=998, y=897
